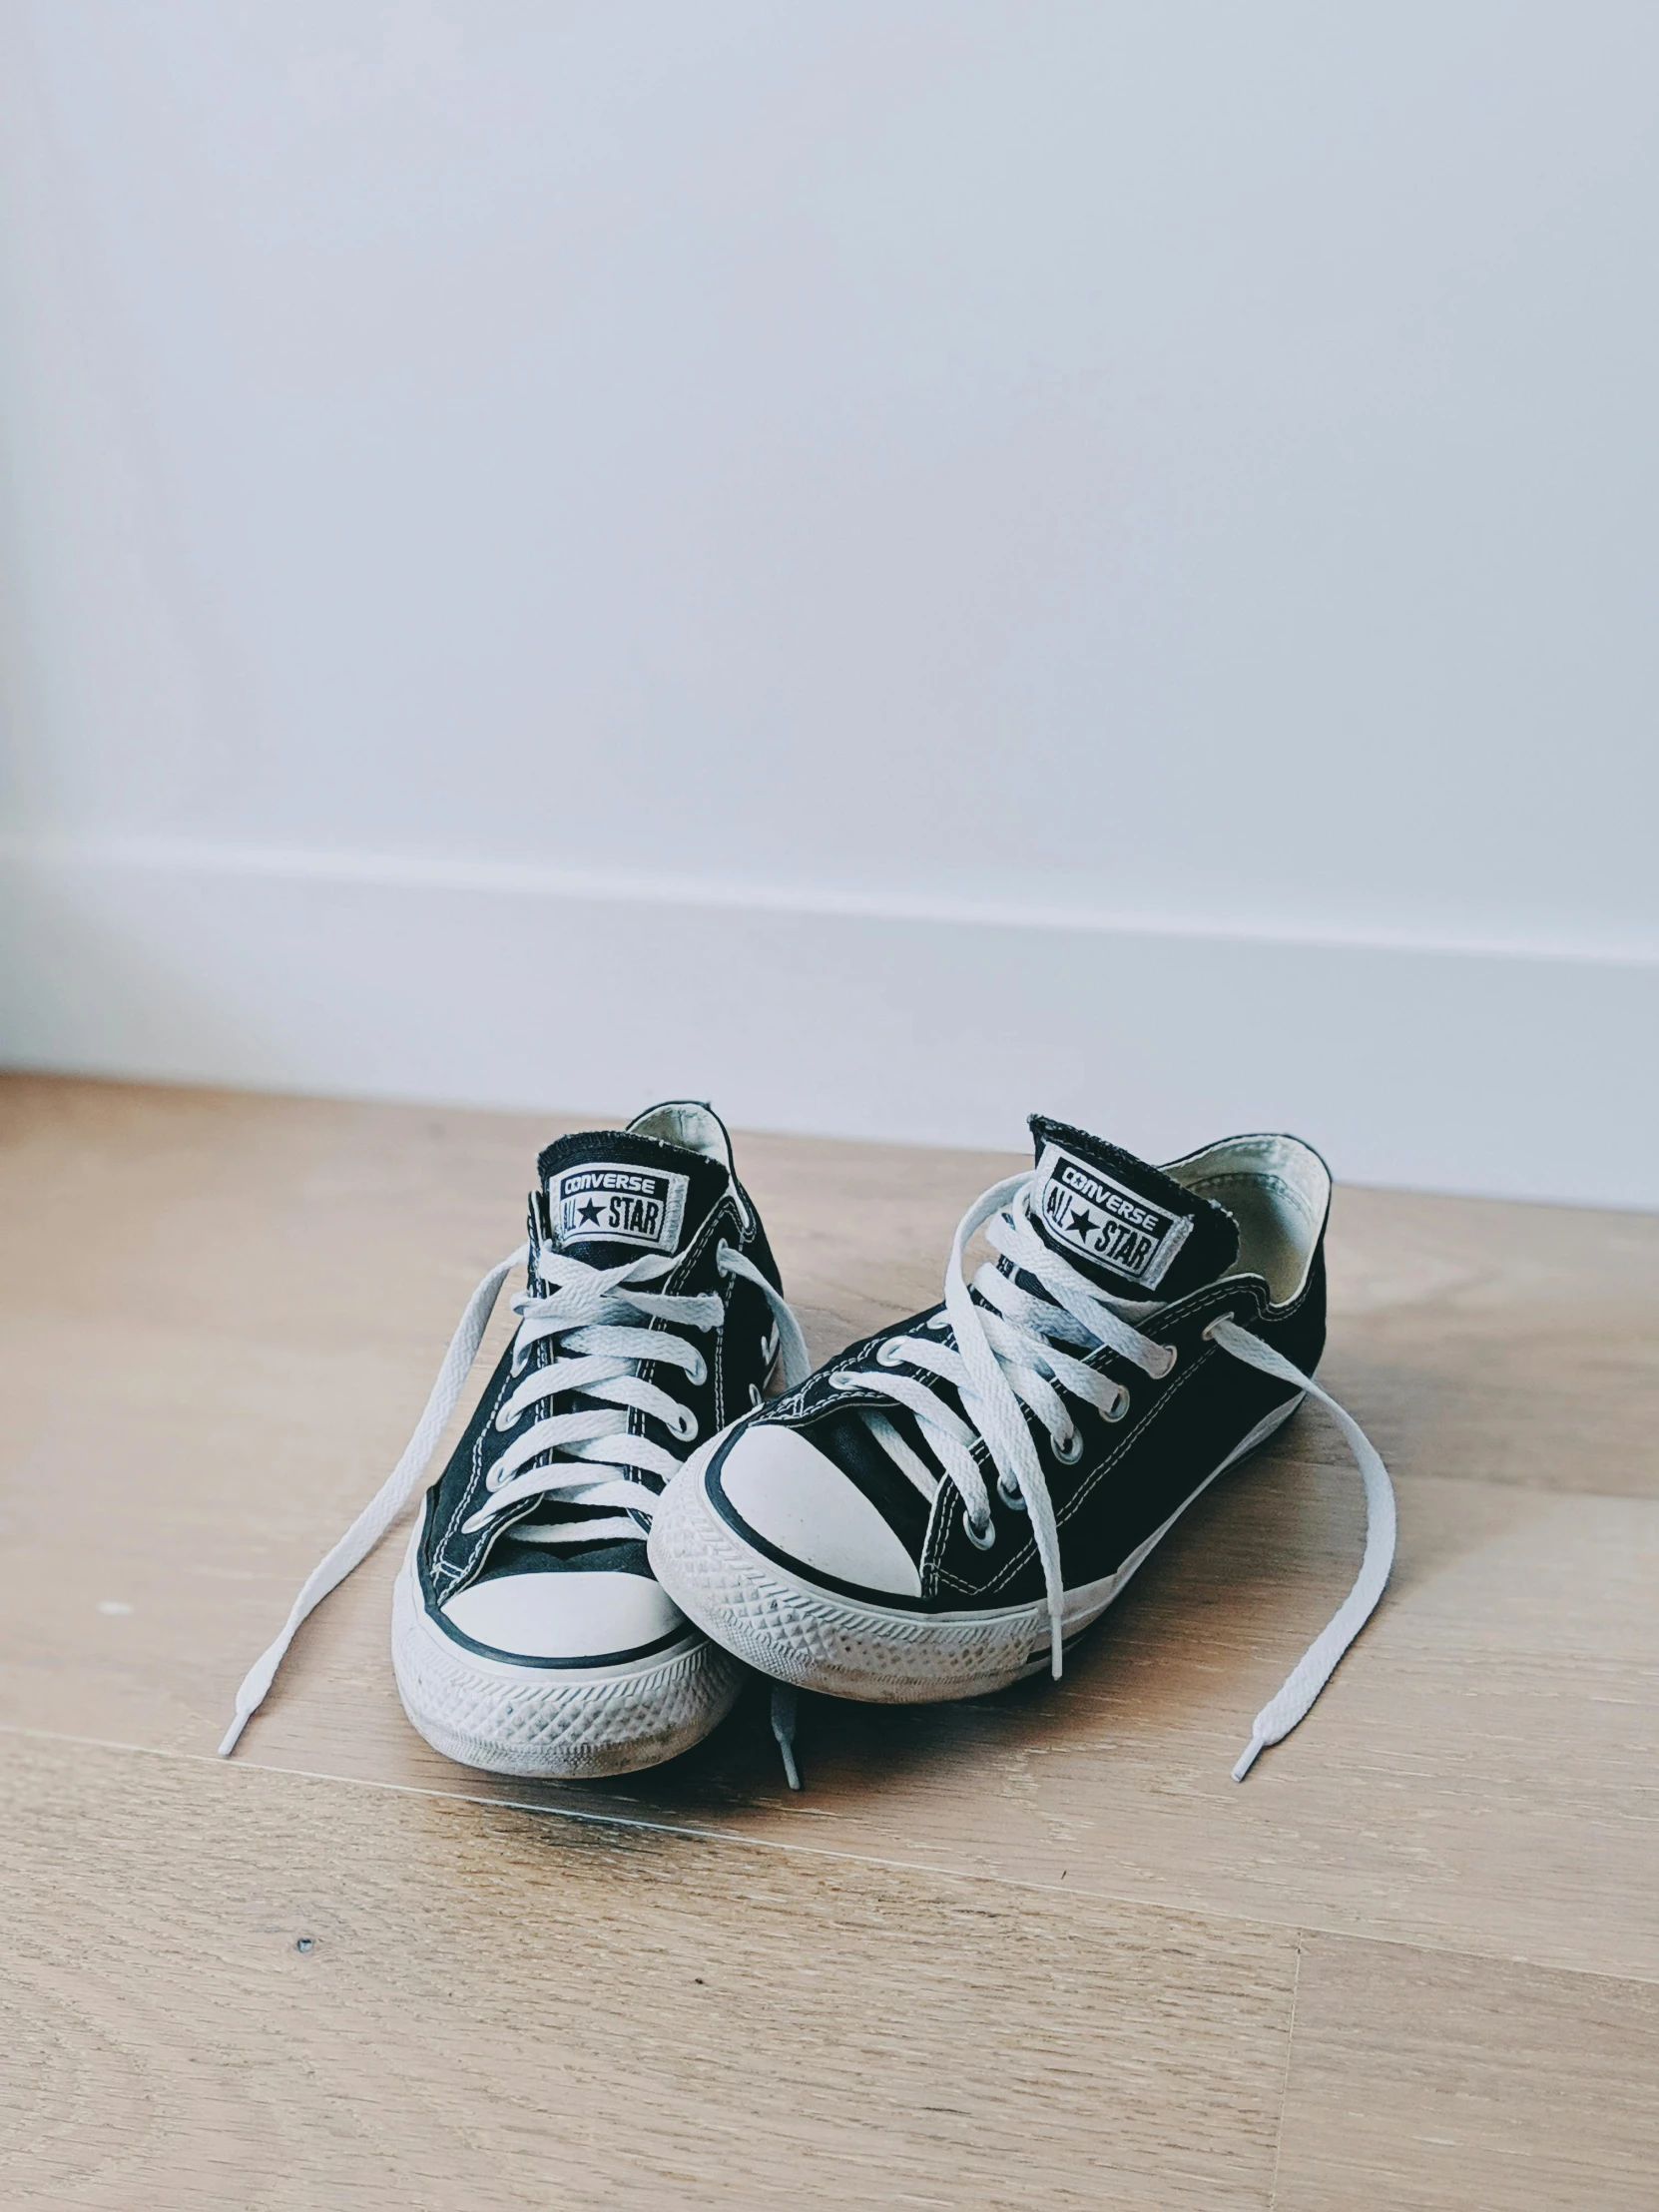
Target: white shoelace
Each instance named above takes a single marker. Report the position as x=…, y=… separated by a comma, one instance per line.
x=595, y=1315
x=1008, y=1357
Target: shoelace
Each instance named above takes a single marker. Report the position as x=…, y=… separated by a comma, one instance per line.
x=1008, y=1357
x=593, y=1314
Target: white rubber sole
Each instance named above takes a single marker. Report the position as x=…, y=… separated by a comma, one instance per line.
x=786, y=1627
x=545, y=1721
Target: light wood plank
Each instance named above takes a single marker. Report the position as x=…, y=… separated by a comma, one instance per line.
x=1430, y=2083
x=505, y=2010
x=217, y=1318
x=221, y=1315
x=1481, y=1775
x=1499, y=1343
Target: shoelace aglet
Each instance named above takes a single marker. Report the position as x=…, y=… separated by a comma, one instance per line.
x=234, y=1732
x=785, y=1704
x=1252, y=1751
x=255, y=1683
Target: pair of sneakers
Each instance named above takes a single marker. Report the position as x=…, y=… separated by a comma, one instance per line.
x=629, y=1521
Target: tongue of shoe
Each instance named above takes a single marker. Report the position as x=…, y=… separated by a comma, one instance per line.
x=1125, y=1224
x=608, y=1196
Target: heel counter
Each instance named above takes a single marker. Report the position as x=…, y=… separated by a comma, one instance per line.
x=1300, y=1335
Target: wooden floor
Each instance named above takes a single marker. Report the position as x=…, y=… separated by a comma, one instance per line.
x=1035, y=1951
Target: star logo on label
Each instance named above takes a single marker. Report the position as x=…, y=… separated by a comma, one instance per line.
x=588, y=1213
x=1081, y=1221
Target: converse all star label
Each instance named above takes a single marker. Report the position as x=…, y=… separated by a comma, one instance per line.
x=1084, y=1207
x=623, y=1205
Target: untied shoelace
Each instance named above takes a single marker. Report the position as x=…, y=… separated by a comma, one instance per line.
x=1007, y=1359
x=593, y=1314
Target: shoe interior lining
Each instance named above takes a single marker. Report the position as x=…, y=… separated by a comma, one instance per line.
x=1278, y=1190
x=689, y=1124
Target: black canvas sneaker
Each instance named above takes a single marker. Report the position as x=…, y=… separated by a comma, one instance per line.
x=944, y=1506
x=529, y=1635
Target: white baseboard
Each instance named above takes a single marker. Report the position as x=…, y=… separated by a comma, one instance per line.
x=1520, y=1074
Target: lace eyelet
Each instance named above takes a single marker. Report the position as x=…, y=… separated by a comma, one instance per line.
x=939, y=1320
x=891, y=1353
x=505, y=1420
x=684, y=1428
x=1070, y=1450
x=979, y=1543
x=843, y=1382
x=1010, y=1495
x=1119, y=1407
x=698, y=1374
x=1168, y=1367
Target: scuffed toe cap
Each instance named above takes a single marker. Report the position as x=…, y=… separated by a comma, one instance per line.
x=796, y=1500
x=584, y=1615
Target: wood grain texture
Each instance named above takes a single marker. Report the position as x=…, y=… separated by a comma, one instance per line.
x=222, y=1314
x=501, y=2010
x=1432, y=2084
x=1481, y=1775
x=218, y=1317
x=1499, y=1343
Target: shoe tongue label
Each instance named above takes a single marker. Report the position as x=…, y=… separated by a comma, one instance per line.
x=1086, y=1211
x=618, y=1205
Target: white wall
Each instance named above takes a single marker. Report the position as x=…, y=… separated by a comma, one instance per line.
x=893, y=561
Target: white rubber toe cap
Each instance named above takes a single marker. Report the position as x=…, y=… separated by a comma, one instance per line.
x=565, y=1616
x=802, y=1504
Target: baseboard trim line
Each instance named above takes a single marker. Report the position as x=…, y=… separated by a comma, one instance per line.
x=1503, y=1073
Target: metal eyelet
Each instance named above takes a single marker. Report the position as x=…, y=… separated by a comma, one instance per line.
x=1010, y=1495
x=1168, y=1367
x=684, y=1428
x=979, y=1543
x=845, y=1382
x=1119, y=1407
x=1071, y=1451
x=698, y=1374
x=891, y=1353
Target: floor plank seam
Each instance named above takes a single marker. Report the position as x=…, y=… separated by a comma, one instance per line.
x=1300, y=1930
x=1285, y=2084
